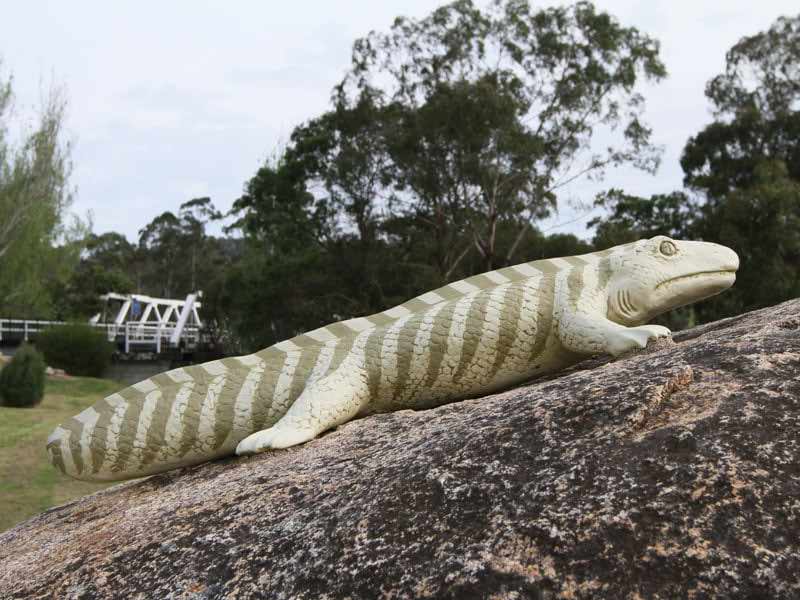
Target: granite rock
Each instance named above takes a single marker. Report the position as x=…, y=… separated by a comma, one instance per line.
x=673, y=472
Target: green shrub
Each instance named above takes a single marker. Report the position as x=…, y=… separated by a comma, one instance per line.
x=77, y=348
x=22, y=380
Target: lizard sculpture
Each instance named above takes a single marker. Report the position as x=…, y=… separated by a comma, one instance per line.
x=468, y=338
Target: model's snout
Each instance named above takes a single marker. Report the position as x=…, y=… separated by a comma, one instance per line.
x=709, y=257
x=728, y=259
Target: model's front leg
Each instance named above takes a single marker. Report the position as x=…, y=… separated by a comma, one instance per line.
x=586, y=333
x=326, y=403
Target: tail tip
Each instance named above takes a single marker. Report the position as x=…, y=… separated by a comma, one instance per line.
x=55, y=437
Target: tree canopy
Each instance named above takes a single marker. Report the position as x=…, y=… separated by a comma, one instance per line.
x=39, y=244
x=489, y=112
x=742, y=173
x=447, y=140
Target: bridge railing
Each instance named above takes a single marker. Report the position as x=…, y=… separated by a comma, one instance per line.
x=25, y=327
x=152, y=335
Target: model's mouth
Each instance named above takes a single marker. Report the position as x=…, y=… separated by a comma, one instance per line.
x=700, y=275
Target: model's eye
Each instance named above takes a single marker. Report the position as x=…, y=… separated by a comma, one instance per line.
x=668, y=248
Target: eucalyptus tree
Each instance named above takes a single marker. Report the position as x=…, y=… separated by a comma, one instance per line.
x=39, y=245
x=756, y=105
x=161, y=241
x=343, y=161
x=447, y=139
x=174, y=253
x=745, y=165
x=493, y=111
x=108, y=264
x=742, y=174
x=194, y=215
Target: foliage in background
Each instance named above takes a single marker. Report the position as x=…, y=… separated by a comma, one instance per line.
x=39, y=246
x=742, y=174
x=491, y=111
x=174, y=256
x=746, y=167
x=77, y=348
x=445, y=144
x=447, y=141
x=22, y=379
x=107, y=264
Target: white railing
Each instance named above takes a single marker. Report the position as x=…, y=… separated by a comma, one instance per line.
x=151, y=334
x=24, y=327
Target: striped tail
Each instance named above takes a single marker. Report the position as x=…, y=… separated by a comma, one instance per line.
x=182, y=417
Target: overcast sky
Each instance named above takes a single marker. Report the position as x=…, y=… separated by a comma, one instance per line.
x=174, y=100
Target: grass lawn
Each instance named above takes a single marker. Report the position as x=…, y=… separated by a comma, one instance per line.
x=29, y=484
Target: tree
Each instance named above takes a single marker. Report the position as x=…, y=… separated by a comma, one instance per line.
x=342, y=153
x=284, y=227
x=762, y=73
x=756, y=105
x=631, y=218
x=448, y=138
x=176, y=254
x=278, y=211
x=742, y=172
x=162, y=241
x=106, y=265
x=38, y=244
x=493, y=111
x=469, y=165
x=342, y=157
x=746, y=165
x=194, y=215
x=762, y=223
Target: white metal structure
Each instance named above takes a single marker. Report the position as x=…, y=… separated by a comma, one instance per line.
x=143, y=322
x=138, y=308
x=188, y=311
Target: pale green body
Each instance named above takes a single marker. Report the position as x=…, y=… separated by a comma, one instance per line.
x=468, y=338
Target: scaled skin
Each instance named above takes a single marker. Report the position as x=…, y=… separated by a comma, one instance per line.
x=468, y=338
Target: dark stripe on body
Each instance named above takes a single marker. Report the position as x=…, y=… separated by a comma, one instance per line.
x=604, y=273
x=575, y=281
x=305, y=364
x=473, y=330
x=545, y=294
x=380, y=319
x=508, y=326
x=97, y=444
x=56, y=458
x=482, y=282
x=340, y=330
x=440, y=333
x=303, y=341
x=404, y=351
x=343, y=348
x=372, y=360
x=446, y=292
x=416, y=305
x=264, y=394
x=157, y=433
x=226, y=400
x=190, y=423
x=75, y=428
x=130, y=423
x=512, y=274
